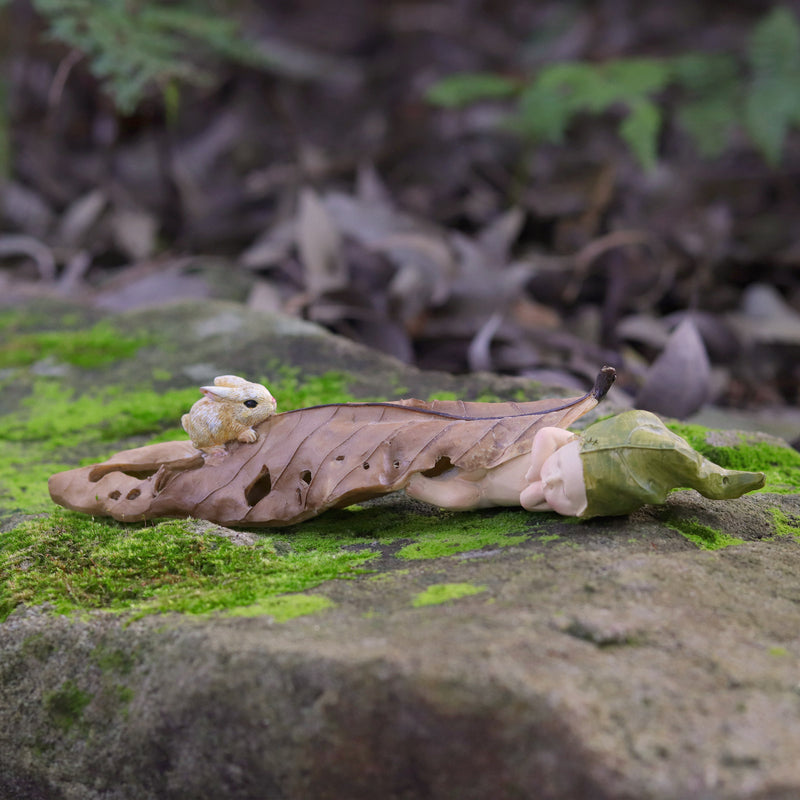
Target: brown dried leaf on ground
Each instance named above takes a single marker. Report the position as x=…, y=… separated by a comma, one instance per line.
x=313, y=459
x=679, y=381
x=320, y=246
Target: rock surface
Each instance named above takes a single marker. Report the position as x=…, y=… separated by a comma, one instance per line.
x=612, y=658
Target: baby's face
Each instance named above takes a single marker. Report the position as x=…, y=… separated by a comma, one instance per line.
x=562, y=483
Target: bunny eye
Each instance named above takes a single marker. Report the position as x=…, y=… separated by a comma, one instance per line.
x=251, y=403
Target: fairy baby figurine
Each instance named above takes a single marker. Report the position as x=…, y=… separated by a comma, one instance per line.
x=620, y=464
x=613, y=467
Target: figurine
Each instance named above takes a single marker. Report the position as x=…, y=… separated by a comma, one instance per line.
x=614, y=467
x=229, y=410
x=247, y=465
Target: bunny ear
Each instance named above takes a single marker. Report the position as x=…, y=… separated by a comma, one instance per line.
x=218, y=393
x=230, y=380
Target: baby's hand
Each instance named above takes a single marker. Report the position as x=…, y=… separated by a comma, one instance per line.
x=556, y=474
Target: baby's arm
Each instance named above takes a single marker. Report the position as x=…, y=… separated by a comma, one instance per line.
x=482, y=488
x=516, y=482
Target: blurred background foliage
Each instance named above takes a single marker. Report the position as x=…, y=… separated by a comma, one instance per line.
x=758, y=91
x=529, y=187
x=139, y=49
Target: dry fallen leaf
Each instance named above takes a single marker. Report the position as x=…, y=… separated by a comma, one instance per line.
x=679, y=381
x=313, y=459
x=320, y=246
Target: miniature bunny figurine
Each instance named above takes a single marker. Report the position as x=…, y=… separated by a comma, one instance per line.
x=230, y=409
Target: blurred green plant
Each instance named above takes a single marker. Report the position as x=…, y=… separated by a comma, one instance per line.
x=134, y=46
x=714, y=94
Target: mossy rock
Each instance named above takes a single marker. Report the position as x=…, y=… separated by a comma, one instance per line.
x=388, y=650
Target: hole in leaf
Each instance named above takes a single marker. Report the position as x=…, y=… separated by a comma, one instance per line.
x=305, y=476
x=365, y=465
x=104, y=469
x=259, y=488
x=442, y=464
x=115, y=494
x=132, y=494
x=396, y=464
x=340, y=458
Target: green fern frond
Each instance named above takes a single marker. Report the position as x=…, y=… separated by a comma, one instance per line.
x=133, y=48
x=709, y=123
x=772, y=103
x=561, y=91
x=467, y=88
x=711, y=97
x=541, y=115
x=640, y=130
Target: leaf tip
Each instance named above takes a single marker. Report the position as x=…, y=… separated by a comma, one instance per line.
x=603, y=382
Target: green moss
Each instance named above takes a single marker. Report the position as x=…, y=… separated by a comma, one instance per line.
x=113, y=660
x=97, y=346
x=784, y=524
x=76, y=563
x=705, y=537
x=780, y=465
x=57, y=416
x=66, y=704
x=284, y=607
x=73, y=562
x=14, y=320
x=286, y=385
x=434, y=535
x=24, y=471
x=122, y=694
x=449, y=533
x=443, y=592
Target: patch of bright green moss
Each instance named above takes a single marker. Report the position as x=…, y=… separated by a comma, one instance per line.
x=66, y=704
x=785, y=525
x=440, y=533
x=449, y=533
x=284, y=607
x=59, y=417
x=97, y=346
x=705, y=537
x=780, y=465
x=74, y=562
x=443, y=592
x=24, y=471
x=293, y=391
